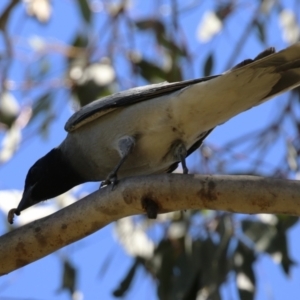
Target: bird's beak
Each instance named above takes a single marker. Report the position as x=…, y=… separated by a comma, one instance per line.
x=26, y=200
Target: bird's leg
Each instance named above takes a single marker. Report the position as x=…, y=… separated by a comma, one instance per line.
x=125, y=145
x=180, y=153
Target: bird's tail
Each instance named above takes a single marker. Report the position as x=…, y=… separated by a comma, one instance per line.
x=286, y=63
x=239, y=89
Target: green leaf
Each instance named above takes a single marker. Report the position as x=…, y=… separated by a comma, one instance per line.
x=94, y=81
x=42, y=105
x=271, y=239
x=208, y=65
x=44, y=67
x=150, y=71
x=174, y=74
x=151, y=24
x=225, y=226
x=80, y=40
x=85, y=10
x=166, y=256
x=224, y=10
x=285, y=222
x=89, y=92
x=126, y=282
x=214, y=266
x=43, y=108
x=279, y=250
x=186, y=279
x=69, y=278
x=158, y=28
x=174, y=50
x=260, y=29
x=39, y=69
x=106, y=263
x=286, y=264
x=259, y=233
x=45, y=125
x=244, y=259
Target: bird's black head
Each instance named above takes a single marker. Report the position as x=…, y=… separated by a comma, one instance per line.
x=49, y=177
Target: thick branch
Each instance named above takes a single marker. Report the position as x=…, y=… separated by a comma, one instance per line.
x=243, y=194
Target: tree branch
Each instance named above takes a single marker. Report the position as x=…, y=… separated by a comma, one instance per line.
x=168, y=192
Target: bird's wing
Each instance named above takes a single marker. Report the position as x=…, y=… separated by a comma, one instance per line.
x=285, y=63
x=100, y=107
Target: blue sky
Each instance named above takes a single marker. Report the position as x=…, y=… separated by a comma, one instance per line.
x=42, y=279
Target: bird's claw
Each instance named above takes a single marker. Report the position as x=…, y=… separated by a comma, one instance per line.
x=114, y=182
x=104, y=183
x=111, y=179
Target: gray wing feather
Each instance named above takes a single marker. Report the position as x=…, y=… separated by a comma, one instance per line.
x=285, y=63
x=107, y=104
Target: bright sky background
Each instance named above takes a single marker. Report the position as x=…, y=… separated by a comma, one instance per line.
x=41, y=280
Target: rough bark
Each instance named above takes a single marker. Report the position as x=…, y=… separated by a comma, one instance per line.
x=161, y=193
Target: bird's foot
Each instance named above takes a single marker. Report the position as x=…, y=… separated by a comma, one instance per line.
x=180, y=153
x=126, y=145
x=111, y=179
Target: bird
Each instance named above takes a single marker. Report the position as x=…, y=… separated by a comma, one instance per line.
x=151, y=129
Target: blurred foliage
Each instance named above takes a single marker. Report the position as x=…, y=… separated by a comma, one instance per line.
x=68, y=278
x=211, y=248
x=192, y=262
